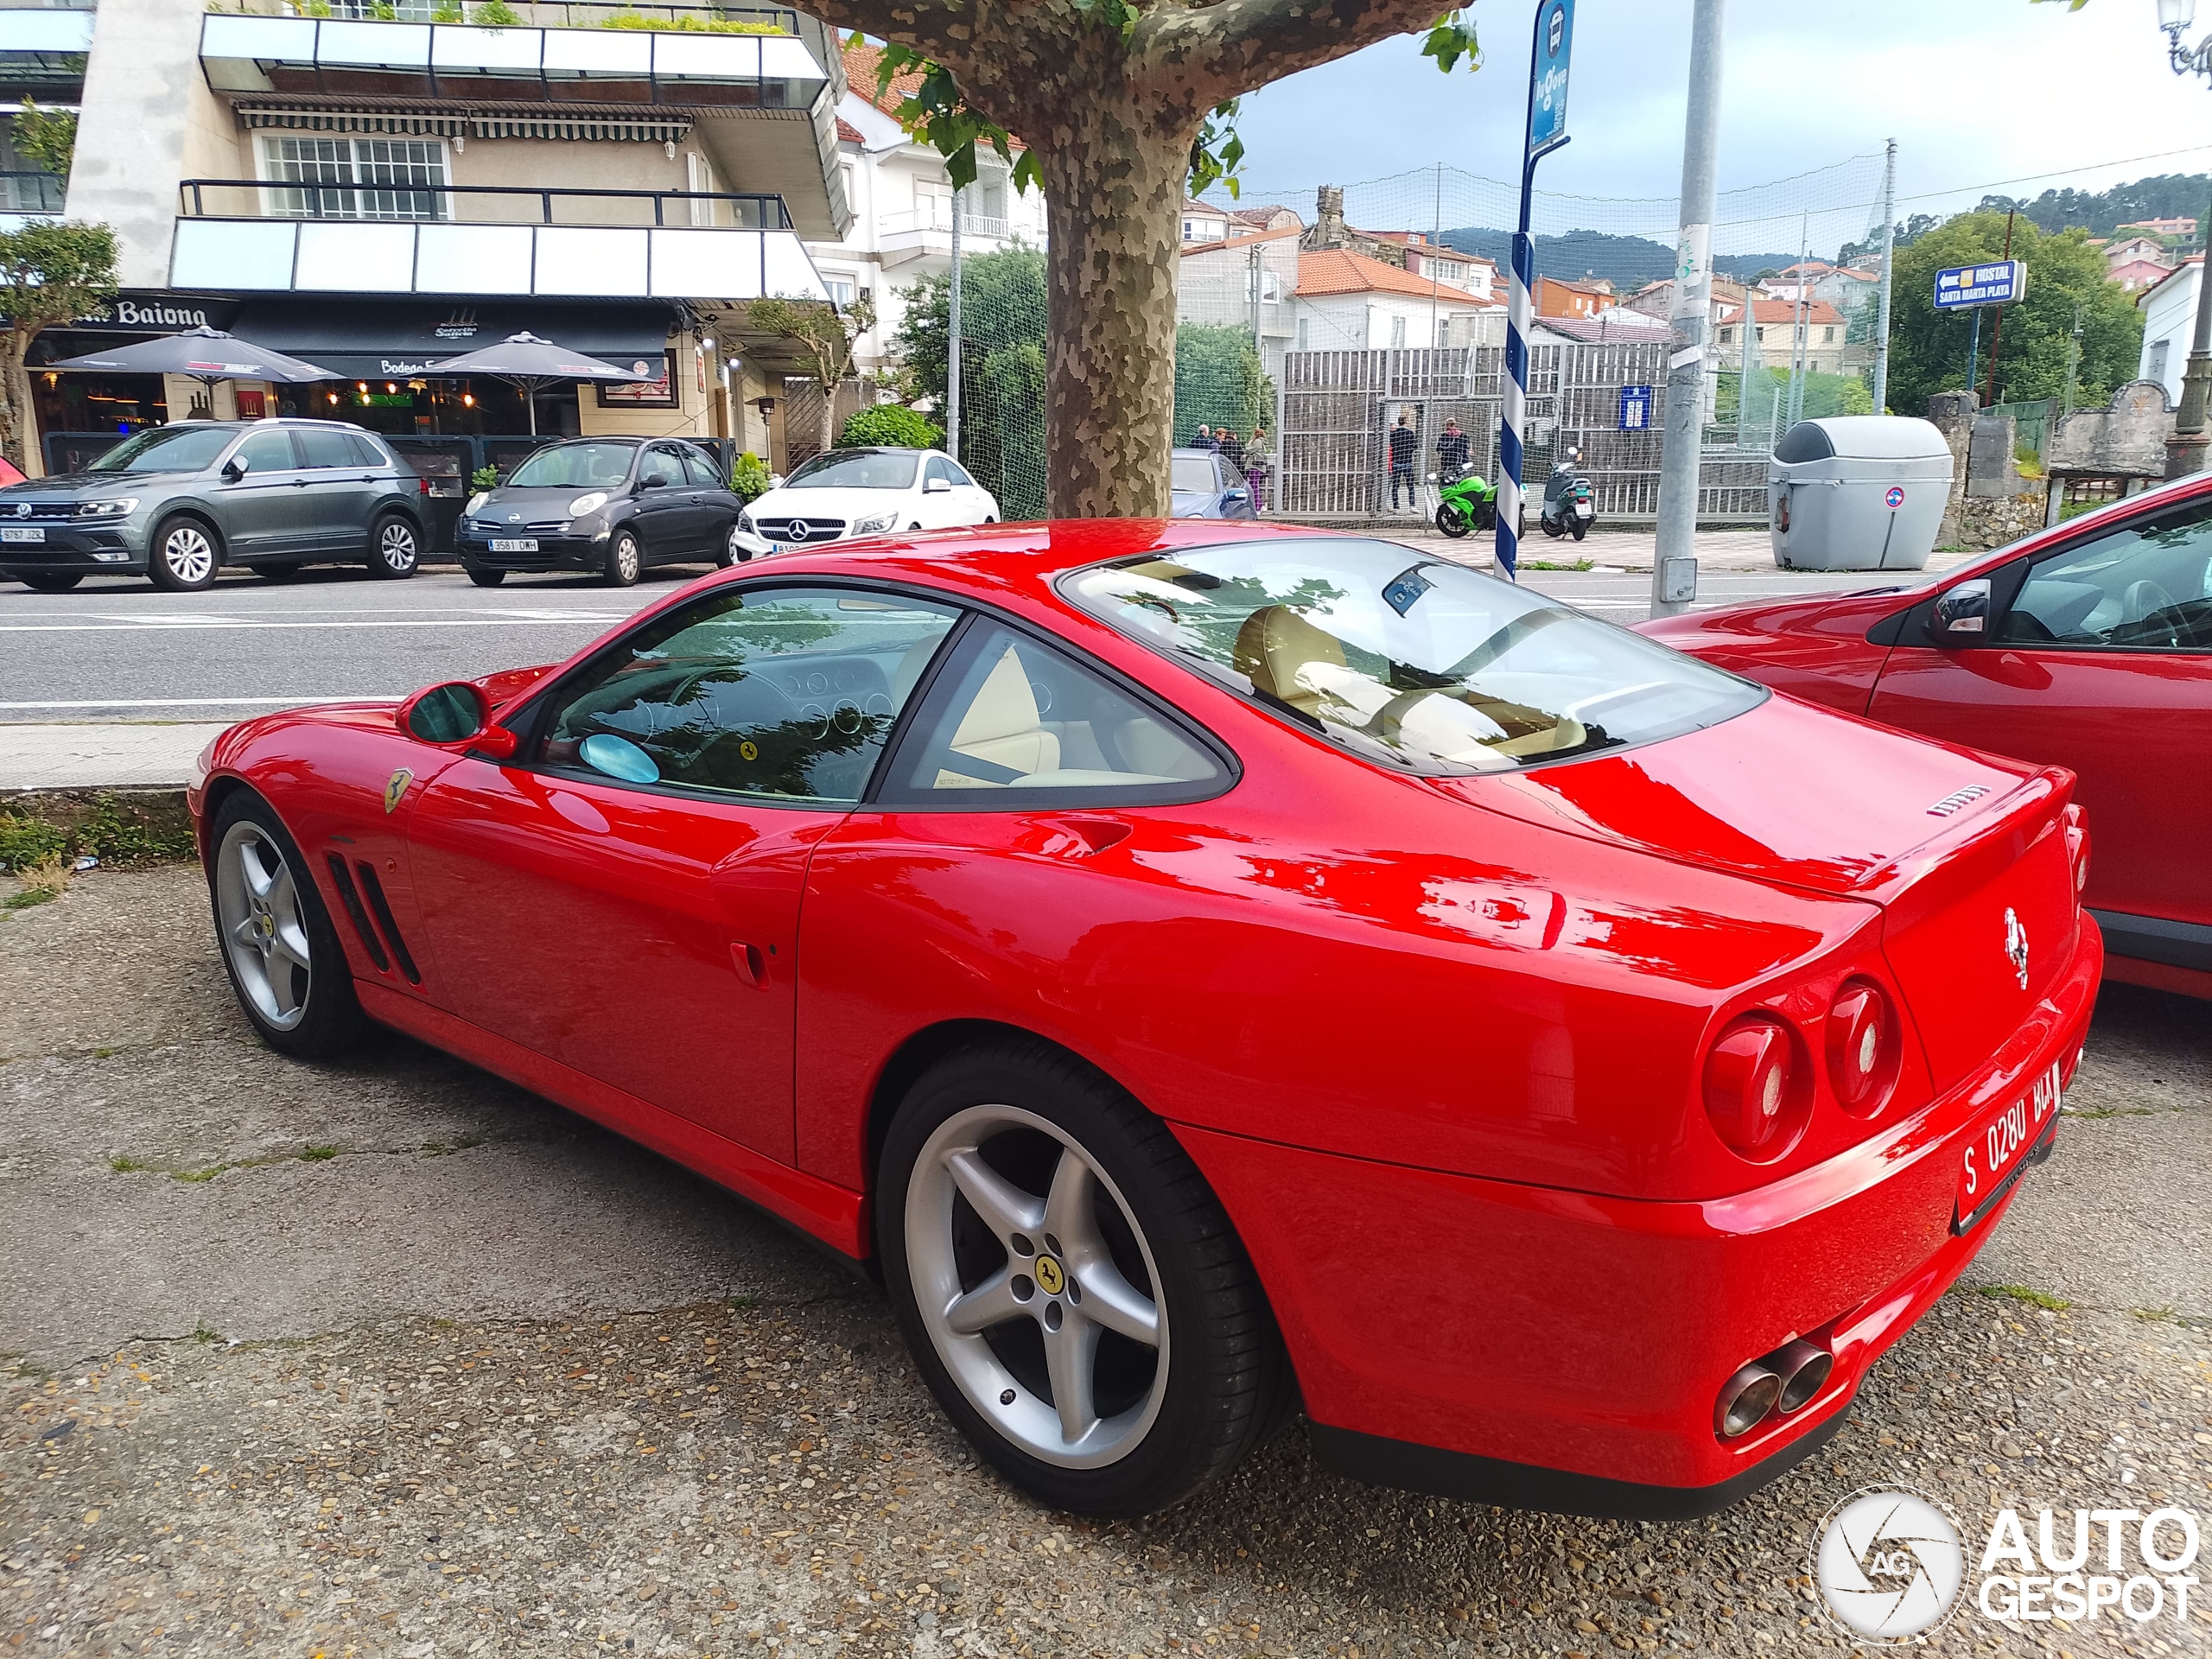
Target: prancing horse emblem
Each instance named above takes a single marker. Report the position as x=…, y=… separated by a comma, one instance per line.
x=2016, y=947
x=396, y=785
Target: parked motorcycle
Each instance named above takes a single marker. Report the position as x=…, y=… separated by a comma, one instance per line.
x=1466, y=502
x=1570, y=506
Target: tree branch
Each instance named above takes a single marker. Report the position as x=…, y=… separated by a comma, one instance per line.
x=939, y=28
x=1203, y=54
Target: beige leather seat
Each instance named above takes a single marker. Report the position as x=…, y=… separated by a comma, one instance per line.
x=1274, y=644
x=1002, y=727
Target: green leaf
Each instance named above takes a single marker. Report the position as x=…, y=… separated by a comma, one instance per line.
x=1451, y=38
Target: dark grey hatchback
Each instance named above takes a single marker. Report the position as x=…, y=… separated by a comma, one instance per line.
x=177, y=503
x=610, y=506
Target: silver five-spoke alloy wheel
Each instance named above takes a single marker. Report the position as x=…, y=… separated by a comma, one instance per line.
x=395, y=547
x=257, y=906
x=1069, y=1254
x=188, y=554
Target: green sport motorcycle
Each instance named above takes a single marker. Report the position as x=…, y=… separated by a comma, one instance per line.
x=1465, y=503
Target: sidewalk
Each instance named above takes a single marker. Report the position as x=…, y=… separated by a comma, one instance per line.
x=1605, y=550
x=104, y=755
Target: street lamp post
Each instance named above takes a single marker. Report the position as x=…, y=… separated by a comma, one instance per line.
x=2185, y=449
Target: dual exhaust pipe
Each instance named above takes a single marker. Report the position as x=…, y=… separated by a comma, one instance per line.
x=1781, y=1382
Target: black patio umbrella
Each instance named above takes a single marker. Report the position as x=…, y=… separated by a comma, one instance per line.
x=205, y=354
x=526, y=363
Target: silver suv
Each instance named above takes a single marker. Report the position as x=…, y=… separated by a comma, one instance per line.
x=177, y=503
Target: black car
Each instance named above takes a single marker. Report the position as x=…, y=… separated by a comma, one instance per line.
x=613, y=506
x=177, y=503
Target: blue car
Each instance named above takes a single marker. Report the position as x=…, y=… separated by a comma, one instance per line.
x=1204, y=484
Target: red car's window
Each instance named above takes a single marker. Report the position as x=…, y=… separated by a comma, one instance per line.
x=787, y=691
x=2144, y=586
x=1415, y=662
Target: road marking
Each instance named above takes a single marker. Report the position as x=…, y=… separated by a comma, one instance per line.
x=216, y=702
x=214, y=627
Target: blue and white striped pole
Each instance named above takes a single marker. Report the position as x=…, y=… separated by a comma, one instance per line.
x=1513, y=397
x=1547, y=130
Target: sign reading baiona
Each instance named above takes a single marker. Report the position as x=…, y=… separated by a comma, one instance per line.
x=1997, y=284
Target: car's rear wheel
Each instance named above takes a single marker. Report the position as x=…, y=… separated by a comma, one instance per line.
x=487, y=578
x=184, y=557
x=59, y=582
x=734, y=550
x=1069, y=1285
x=624, y=560
x=394, y=548
x=283, y=954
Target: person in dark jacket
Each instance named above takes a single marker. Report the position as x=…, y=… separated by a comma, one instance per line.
x=1205, y=439
x=1402, y=445
x=1232, y=447
x=1453, y=450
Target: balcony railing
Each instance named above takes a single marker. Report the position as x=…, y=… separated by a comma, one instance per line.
x=399, y=236
x=984, y=227
x=552, y=13
x=342, y=57
x=43, y=51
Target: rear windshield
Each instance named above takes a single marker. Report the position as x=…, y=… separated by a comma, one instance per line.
x=1410, y=661
x=183, y=448
x=861, y=469
x=570, y=465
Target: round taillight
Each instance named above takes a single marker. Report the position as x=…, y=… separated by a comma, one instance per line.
x=1748, y=1087
x=1862, y=1043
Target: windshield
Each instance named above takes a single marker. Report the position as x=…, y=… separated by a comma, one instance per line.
x=1194, y=475
x=573, y=466
x=1407, y=660
x=855, y=469
x=186, y=449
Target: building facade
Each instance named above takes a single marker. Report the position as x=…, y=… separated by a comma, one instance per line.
x=377, y=191
x=2169, y=308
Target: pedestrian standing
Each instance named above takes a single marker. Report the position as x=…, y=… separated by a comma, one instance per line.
x=1402, y=445
x=1452, y=450
x=1256, y=458
x=1232, y=447
x=1205, y=439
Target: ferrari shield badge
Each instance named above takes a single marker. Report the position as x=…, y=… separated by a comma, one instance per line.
x=396, y=787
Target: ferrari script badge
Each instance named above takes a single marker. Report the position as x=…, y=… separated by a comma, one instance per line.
x=2016, y=947
x=1050, y=1277
x=396, y=787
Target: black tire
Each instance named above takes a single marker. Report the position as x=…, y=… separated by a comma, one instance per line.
x=624, y=560
x=1452, y=518
x=330, y=1018
x=184, y=555
x=1581, y=529
x=275, y=572
x=1553, y=528
x=55, y=581
x=395, y=548
x=1230, y=1380
x=731, y=552
x=487, y=578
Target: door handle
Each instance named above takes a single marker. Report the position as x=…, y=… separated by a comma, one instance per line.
x=299, y=483
x=750, y=963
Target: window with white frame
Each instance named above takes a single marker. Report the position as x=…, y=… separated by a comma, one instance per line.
x=839, y=288
x=356, y=178
x=1269, y=284
x=1397, y=331
x=699, y=179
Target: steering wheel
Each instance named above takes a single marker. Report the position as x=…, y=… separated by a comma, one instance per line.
x=2146, y=602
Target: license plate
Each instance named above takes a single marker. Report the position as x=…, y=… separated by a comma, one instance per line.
x=1582, y=509
x=14, y=534
x=775, y=547
x=2002, y=1147
x=524, y=544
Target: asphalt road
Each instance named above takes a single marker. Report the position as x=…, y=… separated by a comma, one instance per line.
x=383, y=1356
x=122, y=649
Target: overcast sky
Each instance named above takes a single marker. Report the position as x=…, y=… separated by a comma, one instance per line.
x=1973, y=91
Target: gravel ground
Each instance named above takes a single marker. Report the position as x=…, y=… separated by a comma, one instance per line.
x=387, y=1357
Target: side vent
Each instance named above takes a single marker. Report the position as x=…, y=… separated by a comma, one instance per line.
x=385, y=920
x=350, y=897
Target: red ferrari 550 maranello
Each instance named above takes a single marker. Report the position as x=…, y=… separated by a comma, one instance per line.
x=1191, y=963
x=2087, y=646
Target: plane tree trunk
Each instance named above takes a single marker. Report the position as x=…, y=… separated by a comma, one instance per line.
x=1112, y=120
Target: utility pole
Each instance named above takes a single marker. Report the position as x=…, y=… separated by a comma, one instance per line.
x=2073, y=361
x=2185, y=449
x=1435, y=246
x=952, y=340
x=1674, y=568
x=1997, y=329
x=1882, y=312
x=1800, y=312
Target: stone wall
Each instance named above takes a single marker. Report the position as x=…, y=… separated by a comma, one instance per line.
x=1987, y=521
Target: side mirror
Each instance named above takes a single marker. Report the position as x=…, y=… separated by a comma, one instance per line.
x=653, y=481
x=236, y=467
x=1961, y=614
x=455, y=714
x=937, y=487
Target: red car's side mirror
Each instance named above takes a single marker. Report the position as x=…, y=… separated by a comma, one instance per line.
x=456, y=715
x=1961, y=615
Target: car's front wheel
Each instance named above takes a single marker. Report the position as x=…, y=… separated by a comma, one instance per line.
x=58, y=582
x=623, y=561
x=1071, y=1289
x=184, y=557
x=487, y=578
x=394, y=548
x=284, y=959
x=734, y=550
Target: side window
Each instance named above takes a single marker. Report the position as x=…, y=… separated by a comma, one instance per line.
x=1010, y=716
x=367, y=453
x=783, y=691
x=2144, y=587
x=267, y=452
x=701, y=470
x=940, y=468
x=325, y=446
x=953, y=471
x=663, y=465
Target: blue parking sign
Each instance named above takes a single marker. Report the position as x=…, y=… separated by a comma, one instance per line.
x=1636, y=409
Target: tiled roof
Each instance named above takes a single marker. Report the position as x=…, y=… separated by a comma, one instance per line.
x=1335, y=271
x=848, y=133
x=861, y=58
x=1783, y=311
x=1219, y=242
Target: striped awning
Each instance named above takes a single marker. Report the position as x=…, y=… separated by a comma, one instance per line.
x=467, y=123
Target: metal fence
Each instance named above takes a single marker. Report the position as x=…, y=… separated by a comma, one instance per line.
x=1339, y=408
